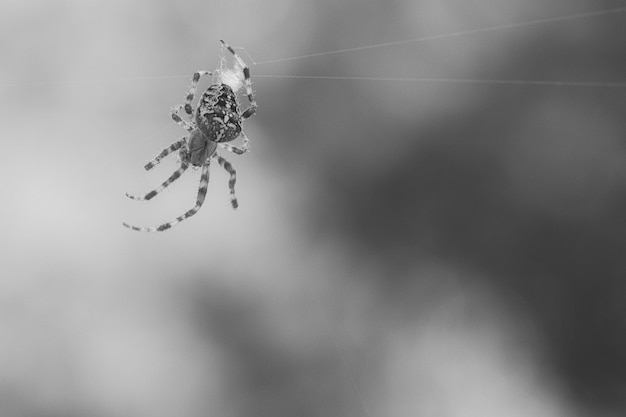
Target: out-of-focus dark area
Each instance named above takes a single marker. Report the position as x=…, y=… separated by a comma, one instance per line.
x=402, y=248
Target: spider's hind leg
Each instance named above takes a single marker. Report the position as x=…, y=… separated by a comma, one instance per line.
x=237, y=151
x=234, y=149
x=188, y=99
x=247, y=81
x=245, y=147
x=192, y=91
x=183, y=123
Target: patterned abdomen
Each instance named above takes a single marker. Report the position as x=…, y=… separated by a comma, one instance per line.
x=218, y=115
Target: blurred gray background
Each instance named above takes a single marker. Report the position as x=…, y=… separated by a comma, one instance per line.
x=402, y=249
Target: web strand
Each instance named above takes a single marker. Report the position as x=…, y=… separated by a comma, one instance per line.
x=593, y=84
x=101, y=81
x=460, y=33
x=457, y=81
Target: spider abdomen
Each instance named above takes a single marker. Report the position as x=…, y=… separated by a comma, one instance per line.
x=218, y=114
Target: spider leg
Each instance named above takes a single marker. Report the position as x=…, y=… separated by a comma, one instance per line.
x=248, y=83
x=246, y=142
x=233, y=178
x=192, y=91
x=233, y=149
x=173, y=147
x=237, y=151
x=250, y=110
x=176, y=175
x=184, y=124
x=202, y=190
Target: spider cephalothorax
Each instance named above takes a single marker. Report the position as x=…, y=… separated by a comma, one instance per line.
x=215, y=121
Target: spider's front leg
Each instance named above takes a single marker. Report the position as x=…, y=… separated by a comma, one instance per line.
x=173, y=147
x=233, y=178
x=202, y=190
x=184, y=164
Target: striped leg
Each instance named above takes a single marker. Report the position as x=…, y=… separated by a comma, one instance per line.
x=246, y=141
x=184, y=124
x=233, y=178
x=233, y=149
x=204, y=185
x=173, y=147
x=176, y=175
x=237, y=151
x=192, y=91
x=246, y=74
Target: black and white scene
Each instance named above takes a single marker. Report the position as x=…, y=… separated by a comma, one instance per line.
x=289, y=208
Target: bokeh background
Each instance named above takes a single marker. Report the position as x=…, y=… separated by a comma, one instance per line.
x=401, y=248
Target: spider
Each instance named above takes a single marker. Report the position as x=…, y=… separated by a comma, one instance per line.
x=215, y=121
